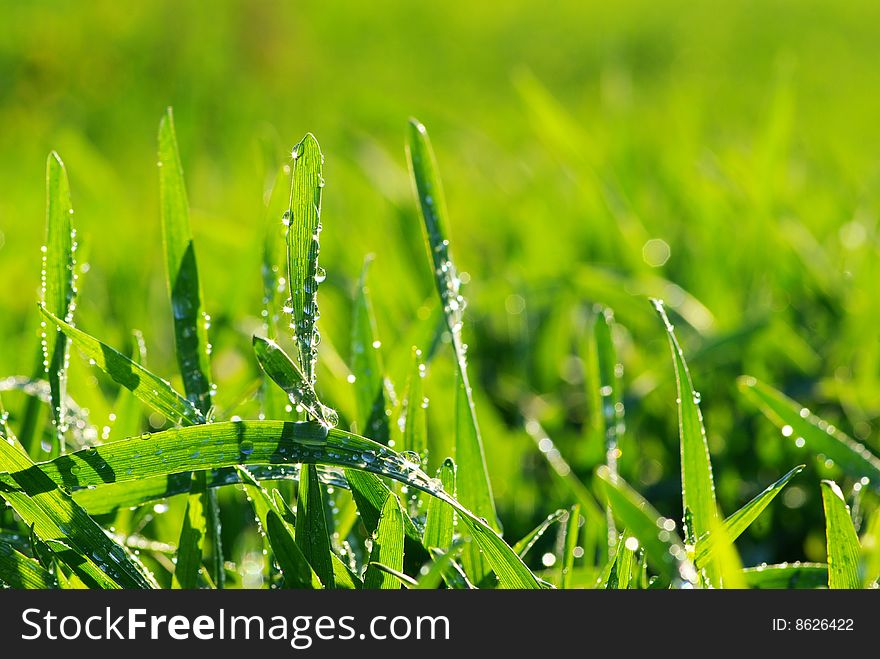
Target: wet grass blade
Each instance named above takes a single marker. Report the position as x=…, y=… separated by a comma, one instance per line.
x=528, y=541
x=606, y=420
x=387, y=547
x=191, y=347
x=812, y=433
x=415, y=410
x=655, y=533
x=20, y=571
x=366, y=365
x=304, y=227
x=725, y=558
x=227, y=444
x=148, y=388
x=572, y=529
x=442, y=570
x=474, y=488
x=293, y=563
x=841, y=539
x=40, y=503
x=184, y=288
x=311, y=526
x=59, y=286
x=743, y=518
x=192, y=535
x=285, y=372
x=440, y=518
x=697, y=486
x=787, y=576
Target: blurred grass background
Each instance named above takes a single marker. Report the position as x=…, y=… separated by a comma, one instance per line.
x=724, y=156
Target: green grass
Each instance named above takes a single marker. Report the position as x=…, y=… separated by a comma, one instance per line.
x=591, y=158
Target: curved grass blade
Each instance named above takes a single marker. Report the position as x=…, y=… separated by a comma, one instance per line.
x=440, y=518
x=787, y=576
x=402, y=578
x=227, y=444
x=387, y=547
x=697, y=486
x=293, y=563
x=284, y=372
x=528, y=541
x=59, y=287
x=303, y=220
x=655, y=533
x=311, y=526
x=54, y=516
x=366, y=365
x=474, y=487
x=841, y=539
x=811, y=432
x=743, y=518
x=20, y=571
x=150, y=389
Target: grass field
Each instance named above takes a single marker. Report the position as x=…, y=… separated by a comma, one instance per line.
x=593, y=157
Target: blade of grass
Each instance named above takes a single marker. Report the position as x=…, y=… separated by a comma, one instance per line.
x=366, y=365
x=184, y=288
x=572, y=528
x=743, y=518
x=655, y=533
x=20, y=571
x=787, y=576
x=304, y=227
x=284, y=372
x=192, y=350
x=841, y=539
x=293, y=563
x=810, y=432
x=442, y=569
x=415, y=410
x=604, y=395
x=190, y=544
x=127, y=408
x=311, y=526
x=440, y=518
x=387, y=547
x=697, y=486
x=227, y=444
x=528, y=541
x=474, y=487
x=148, y=388
x=725, y=557
x=59, y=287
x=53, y=515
